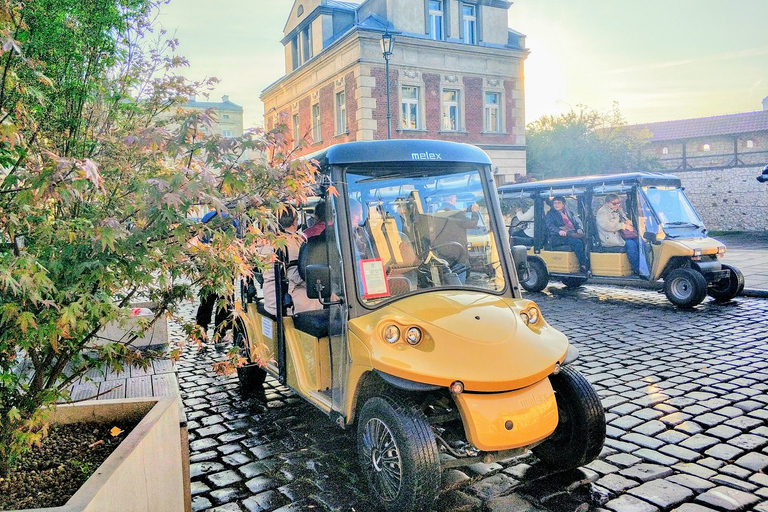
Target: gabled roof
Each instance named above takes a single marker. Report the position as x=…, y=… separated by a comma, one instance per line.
x=731, y=124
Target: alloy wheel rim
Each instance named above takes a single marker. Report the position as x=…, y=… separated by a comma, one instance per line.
x=382, y=457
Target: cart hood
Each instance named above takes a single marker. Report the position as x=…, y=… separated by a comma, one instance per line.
x=476, y=338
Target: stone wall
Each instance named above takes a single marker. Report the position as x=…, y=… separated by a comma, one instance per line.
x=729, y=199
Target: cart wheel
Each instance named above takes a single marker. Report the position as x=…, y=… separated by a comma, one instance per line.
x=580, y=432
x=251, y=376
x=538, y=277
x=685, y=287
x=573, y=282
x=729, y=287
x=398, y=454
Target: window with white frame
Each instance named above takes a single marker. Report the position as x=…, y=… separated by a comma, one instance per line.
x=317, y=135
x=295, y=129
x=306, y=43
x=410, y=107
x=436, y=20
x=226, y=133
x=341, y=112
x=492, y=112
x=469, y=23
x=451, y=120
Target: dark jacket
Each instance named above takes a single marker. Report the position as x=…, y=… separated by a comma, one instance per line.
x=554, y=222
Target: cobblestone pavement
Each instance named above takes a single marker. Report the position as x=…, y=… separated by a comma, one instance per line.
x=685, y=399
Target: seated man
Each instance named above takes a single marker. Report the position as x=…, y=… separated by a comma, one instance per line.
x=563, y=228
x=611, y=220
x=521, y=228
x=288, y=224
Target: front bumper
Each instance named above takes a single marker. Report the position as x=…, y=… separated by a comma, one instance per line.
x=502, y=421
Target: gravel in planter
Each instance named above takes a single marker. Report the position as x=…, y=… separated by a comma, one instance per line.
x=49, y=474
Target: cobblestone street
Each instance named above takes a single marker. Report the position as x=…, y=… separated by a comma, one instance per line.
x=684, y=394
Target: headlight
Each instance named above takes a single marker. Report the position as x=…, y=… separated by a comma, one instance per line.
x=530, y=315
x=721, y=251
x=413, y=336
x=391, y=334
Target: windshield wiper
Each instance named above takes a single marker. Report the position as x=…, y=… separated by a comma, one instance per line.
x=682, y=223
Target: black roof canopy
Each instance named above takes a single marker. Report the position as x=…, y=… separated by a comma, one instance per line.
x=400, y=150
x=596, y=183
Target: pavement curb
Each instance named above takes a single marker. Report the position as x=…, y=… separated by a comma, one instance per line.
x=750, y=292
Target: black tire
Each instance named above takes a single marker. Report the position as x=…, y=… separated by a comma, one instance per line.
x=580, y=432
x=398, y=454
x=685, y=287
x=251, y=376
x=728, y=288
x=573, y=282
x=538, y=277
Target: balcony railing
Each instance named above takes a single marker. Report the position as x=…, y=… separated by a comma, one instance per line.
x=715, y=162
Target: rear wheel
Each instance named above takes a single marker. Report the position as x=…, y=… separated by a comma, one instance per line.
x=729, y=287
x=398, y=454
x=538, y=277
x=580, y=432
x=251, y=376
x=685, y=287
x=573, y=282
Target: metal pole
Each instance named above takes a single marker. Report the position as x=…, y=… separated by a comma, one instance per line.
x=389, y=113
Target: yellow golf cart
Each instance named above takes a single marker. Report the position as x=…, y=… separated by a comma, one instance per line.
x=436, y=366
x=671, y=239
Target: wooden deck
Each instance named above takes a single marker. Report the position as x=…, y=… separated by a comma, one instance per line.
x=159, y=379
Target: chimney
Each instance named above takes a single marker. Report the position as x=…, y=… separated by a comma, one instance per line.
x=225, y=98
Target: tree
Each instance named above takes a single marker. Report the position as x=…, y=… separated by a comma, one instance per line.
x=100, y=174
x=585, y=142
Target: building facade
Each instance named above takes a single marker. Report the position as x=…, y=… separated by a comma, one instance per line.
x=717, y=158
x=227, y=118
x=455, y=73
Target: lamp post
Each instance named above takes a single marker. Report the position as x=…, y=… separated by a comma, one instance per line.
x=387, y=43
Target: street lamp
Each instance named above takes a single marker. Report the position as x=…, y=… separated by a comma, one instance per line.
x=387, y=43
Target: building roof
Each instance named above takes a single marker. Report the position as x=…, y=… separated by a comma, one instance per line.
x=342, y=5
x=225, y=104
x=731, y=124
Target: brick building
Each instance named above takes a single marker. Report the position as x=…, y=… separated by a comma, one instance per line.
x=456, y=73
x=717, y=158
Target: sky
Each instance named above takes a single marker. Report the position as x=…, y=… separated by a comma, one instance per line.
x=659, y=60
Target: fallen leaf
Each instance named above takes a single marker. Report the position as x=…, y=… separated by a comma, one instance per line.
x=115, y=431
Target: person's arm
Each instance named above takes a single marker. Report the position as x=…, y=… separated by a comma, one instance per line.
x=553, y=223
x=526, y=216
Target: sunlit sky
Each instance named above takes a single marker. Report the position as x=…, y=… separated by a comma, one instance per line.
x=658, y=59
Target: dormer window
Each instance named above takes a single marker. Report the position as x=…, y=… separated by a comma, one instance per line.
x=436, y=20
x=469, y=21
x=706, y=147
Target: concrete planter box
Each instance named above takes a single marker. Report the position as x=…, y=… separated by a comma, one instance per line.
x=146, y=472
x=155, y=337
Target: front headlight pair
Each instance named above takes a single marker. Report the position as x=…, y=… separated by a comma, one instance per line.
x=531, y=315
x=413, y=335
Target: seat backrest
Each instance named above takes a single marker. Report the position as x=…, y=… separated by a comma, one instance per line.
x=312, y=252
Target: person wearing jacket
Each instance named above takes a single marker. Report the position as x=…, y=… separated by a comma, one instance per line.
x=563, y=228
x=611, y=220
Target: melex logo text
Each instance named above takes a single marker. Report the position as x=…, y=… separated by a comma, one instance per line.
x=426, y=156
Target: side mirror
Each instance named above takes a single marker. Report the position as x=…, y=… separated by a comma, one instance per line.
x=318, y=281
x=649, y=237
x=519, y=254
